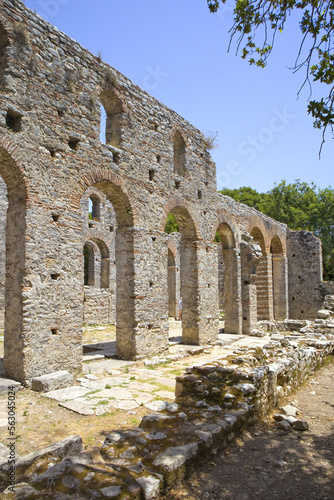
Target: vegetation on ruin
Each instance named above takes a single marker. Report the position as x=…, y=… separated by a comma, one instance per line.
x=301, y=206
x=256, y=24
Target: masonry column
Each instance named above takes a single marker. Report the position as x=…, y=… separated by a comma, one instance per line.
x=280, y=287
x=250, y=257
x=207, y=292
x=249, y=304
x=232, y=291
x=142, y=308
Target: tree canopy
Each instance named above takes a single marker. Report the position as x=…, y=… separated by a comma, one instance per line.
x=301, y=206
x=315, y=53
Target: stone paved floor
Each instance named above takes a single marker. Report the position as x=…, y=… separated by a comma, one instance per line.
x=107, y=383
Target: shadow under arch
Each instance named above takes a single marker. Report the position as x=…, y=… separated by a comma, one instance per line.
x=124, y=257
x=15, y=266
x=279, y=269
x=188, y=272
x=263, y=281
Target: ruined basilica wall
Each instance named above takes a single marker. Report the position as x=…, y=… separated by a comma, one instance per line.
x=53, y=86
x=100, y=300
x=306, y=286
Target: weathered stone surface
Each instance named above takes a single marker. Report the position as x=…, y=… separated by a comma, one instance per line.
x=28, y=464
x=6, y=383
x=150, y=485
x=283, y=425
x=301, y=425
x=52, y=381
x=78, y=406
x=173, y=458
x=67, y=393
x=290, y=411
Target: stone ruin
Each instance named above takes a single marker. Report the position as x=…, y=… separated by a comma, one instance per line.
x=151, y=163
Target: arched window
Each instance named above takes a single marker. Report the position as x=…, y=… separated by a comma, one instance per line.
x=89, y=274
x=94, y=208
x=179, y=154
x=113, y=111
x=4, y=42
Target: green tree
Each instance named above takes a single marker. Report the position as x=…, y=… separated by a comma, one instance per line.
x=315, y=54
x=301, y=206
x=171, y=224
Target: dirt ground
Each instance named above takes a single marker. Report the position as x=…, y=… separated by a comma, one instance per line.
x=267, y=463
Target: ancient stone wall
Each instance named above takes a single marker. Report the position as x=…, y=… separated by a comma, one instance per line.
x=152, y=163
x=307, y=290
x=99, y=229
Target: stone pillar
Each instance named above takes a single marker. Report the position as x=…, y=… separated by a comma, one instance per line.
x=189, y=290
x=250, y=257
x=142, y=293
x=44, y=292
x=232, y=291
x=249, y=305
x=172, y=309
x=264, y=288
x=207, y=292
x=280, y=287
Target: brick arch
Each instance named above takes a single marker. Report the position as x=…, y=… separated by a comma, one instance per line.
x=103, y=175
x=259, y=238
x=276, y=246
x=174, y=129
x=179, y=202
x=15, y=177
x=172, y=247
x=224, y=217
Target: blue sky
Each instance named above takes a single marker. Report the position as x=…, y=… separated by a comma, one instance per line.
x=177, y=51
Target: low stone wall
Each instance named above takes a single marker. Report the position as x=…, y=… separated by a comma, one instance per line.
x=214, y=402
x=99, y=306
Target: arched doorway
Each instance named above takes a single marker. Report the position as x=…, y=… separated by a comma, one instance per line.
x=124, y=260
x=280, y=279
x=188, y=275
x=230, y=280
x=263, y=280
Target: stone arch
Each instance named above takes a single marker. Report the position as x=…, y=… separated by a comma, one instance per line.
x=114, y=187
x=263, y=281
x=226, y=235
x=188, y=269
x=276, y=246
x=105, y=262
x=124, y=258
x=187, y=222
x=89, y=263
x=279, y=279
x=257, y=235
x=10, y=171
x=229, y=279
x=179, y=147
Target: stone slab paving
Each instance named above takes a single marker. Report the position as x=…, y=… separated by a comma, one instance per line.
x=67, y=394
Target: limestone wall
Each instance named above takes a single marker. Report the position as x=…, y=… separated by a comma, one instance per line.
x=152, y=163
x=307, y=290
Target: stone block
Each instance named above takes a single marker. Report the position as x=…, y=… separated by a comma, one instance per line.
x=33, y=462
x=52, y=381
